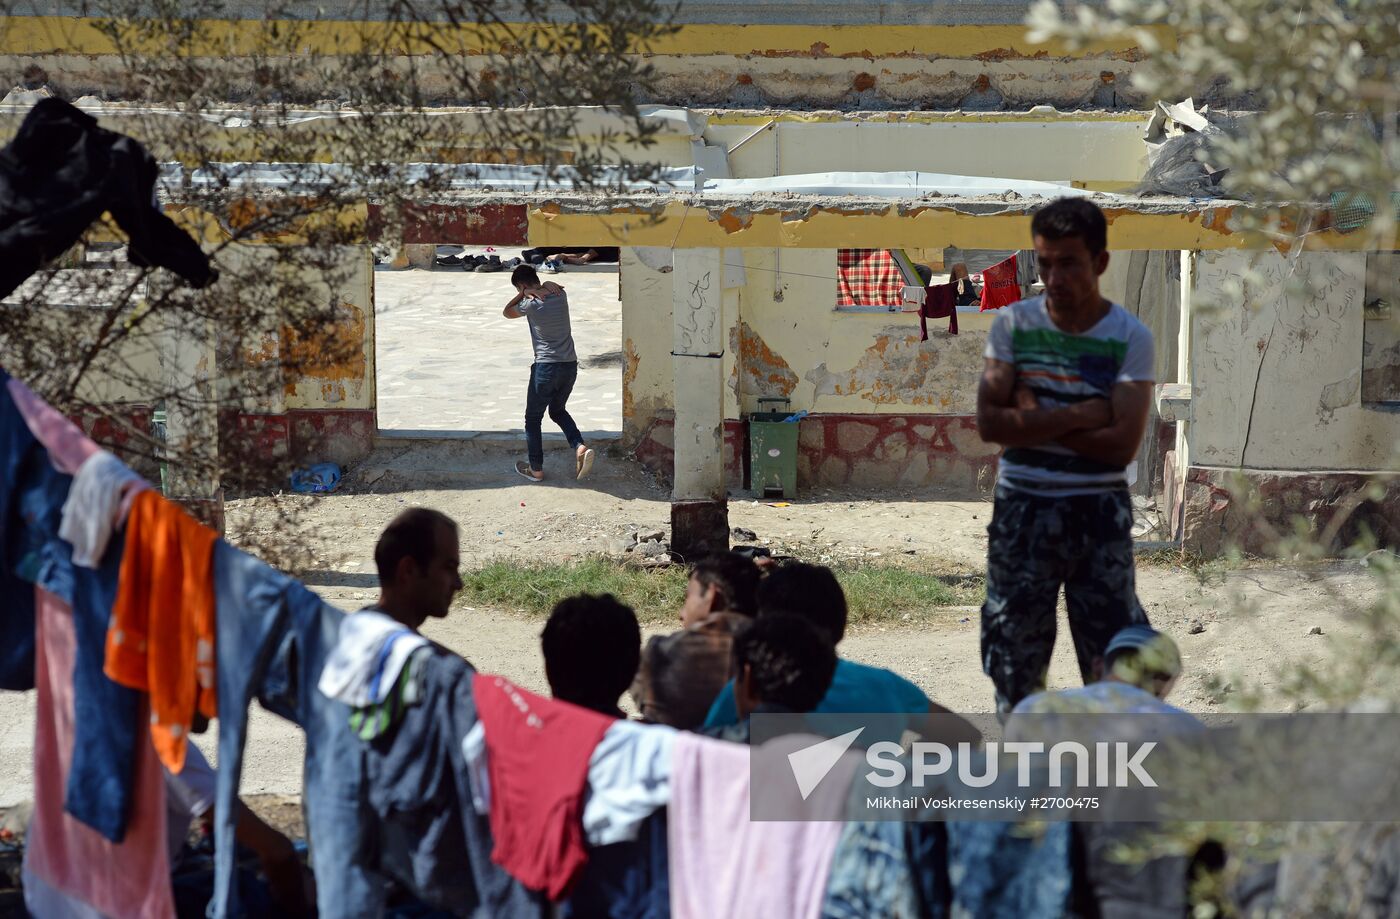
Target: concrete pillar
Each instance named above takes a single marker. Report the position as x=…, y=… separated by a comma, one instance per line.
x=189, y=373
x=699, y=506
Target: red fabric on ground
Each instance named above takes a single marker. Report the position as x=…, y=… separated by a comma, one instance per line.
x=537, y=753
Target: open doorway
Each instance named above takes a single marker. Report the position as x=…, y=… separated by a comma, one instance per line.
x=448, y=364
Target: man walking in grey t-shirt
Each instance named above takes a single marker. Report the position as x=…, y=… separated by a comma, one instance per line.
x=552, y=375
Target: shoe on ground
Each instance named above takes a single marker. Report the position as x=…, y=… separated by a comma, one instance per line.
x=585, y=463
x=492, y=263
x=524, y=469
x=553, y=265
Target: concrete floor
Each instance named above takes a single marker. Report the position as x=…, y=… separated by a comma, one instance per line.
x=447, y=361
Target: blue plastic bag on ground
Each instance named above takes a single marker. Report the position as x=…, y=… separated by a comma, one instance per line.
x=317, y=480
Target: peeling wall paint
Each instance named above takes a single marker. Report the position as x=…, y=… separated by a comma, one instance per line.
x=898, y=369
x=347, y=380
x=816, y=224
x=786, y=340
x=1276, y=371
x=759, y=372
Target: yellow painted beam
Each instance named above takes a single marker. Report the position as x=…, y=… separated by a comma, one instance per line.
x=682, y=226
x=216, y=37
x=920, y=117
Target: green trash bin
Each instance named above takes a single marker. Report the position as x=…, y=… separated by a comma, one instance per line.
x=773, y=451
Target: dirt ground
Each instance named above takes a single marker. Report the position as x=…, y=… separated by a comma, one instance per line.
x=501, y=514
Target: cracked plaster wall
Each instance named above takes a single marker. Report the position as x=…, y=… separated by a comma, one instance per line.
x=1304, y=349
x=786, y=340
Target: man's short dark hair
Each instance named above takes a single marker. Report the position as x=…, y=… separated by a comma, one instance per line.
x=412, y=534
x=524, y=274
x=1064, y=218
x=809, y=591
x=790, y=662
x=734, y=576
x=592, y=646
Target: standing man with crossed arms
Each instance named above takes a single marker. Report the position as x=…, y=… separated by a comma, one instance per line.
x=1065, y=391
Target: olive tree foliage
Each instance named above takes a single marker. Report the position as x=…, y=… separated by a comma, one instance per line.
x=1311, y=144
x=276, y=134
x=1317, y=77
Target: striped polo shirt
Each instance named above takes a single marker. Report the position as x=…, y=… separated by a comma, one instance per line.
x=1063, y=368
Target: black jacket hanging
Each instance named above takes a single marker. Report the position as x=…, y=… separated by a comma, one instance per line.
x=59, y=174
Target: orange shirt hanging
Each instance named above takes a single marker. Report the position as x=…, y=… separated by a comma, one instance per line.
x=161, y=639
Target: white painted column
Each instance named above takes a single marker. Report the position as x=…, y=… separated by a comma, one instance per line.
x=699, y=515
x=188, y=366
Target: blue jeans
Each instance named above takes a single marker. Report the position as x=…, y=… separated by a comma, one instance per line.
x=550, y=386
x=273, y=638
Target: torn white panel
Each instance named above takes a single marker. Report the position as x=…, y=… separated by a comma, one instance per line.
x=681, y=120
x=894, y=185
x=735, y=275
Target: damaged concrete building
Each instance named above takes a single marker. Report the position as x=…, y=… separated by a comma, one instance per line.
x=793, y=132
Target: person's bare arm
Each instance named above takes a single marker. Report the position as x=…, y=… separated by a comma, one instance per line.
x=1002, y=419
x=550, y=288
x=291, y=885
x=512, y=310
x=1117, y=442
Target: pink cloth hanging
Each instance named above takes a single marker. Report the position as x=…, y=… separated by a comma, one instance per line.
x=130, y=880
x=68, y=446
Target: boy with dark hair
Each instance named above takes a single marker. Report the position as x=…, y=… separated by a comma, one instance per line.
x=681, y=673
x=782, y=664
x=812, y=593
x=723, y=583
x=1065, y=392
x=809, y=591
x=552, y=375
x=592, y=645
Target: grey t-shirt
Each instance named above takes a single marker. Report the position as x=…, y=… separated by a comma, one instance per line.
x=549, y=328
x=1063, y=368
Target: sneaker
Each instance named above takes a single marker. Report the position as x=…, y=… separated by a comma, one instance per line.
x=492, y=263
x=553, y=265
x=524, y=469
x=585, y=463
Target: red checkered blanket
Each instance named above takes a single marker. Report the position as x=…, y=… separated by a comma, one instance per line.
x=868, y=277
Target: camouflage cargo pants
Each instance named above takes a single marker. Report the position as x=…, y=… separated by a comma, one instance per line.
x=1036, y=544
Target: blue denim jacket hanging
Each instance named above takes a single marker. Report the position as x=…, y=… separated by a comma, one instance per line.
x=273, y=638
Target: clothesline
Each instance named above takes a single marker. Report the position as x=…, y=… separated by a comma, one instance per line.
x=522, y=816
